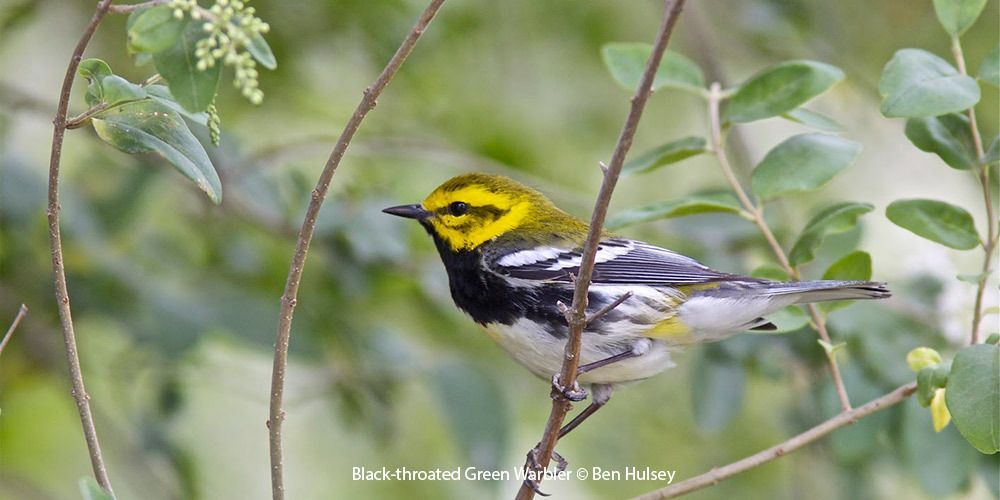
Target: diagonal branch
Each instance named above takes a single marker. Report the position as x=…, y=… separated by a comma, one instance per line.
x=21, y=313
x=713, y=476
x=578, y=310
x=756, y=214
x=288, y=299
x=983, y=175
x=55, y=242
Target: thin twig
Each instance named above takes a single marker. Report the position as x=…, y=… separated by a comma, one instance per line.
x=984, y=181
x=82, y=118
x=715, y=475
x=567, y=376
x=130, y=8
x=21, y=313
x=608, y=308
x=756, y=213
x=289, y=298
x=55, y=241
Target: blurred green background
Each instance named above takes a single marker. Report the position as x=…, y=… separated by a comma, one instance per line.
x=175, y=300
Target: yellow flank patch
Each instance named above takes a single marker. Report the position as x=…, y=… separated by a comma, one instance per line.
x=671, y=329
x=689, y=289
x=466, y=232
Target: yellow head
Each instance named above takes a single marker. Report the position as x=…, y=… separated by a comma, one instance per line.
x=472, y=209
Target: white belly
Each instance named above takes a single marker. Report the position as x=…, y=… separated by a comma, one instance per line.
x=542, y=353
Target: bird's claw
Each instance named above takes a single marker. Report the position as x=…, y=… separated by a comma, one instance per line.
x=574, y=393
x=531, y=464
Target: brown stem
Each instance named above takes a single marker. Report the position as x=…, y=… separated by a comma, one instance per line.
x=55, y=241
x=984, y=180
x=577, y=317
x=21, y=313
x=756, y=214
x=130, y=8
x=718, y=474
x=288, y=299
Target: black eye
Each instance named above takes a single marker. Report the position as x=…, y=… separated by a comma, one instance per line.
x=458, y=208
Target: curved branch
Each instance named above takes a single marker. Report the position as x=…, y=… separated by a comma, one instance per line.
x=289, y=298
x=990, y=245
x=55, y=242
x=756, y=214
x=718, y=474
x=577, y=316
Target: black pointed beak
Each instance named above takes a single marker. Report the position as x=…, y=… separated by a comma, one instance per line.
x=409, y=211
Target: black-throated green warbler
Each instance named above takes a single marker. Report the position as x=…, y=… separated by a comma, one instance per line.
x=511, y=256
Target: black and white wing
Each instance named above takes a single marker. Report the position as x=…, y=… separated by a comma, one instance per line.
x=619, y=261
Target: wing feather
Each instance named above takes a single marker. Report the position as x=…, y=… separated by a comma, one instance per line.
x=619, y=261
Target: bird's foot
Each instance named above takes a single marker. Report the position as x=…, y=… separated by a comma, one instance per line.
x=535, y=471
x=574, y=393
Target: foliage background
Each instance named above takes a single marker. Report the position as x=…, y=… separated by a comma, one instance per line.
x=176, y=300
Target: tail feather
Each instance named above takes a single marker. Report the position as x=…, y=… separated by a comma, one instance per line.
x=820, y=291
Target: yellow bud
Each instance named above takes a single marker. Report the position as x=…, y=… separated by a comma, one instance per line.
x=922, y=357
x=939, y=411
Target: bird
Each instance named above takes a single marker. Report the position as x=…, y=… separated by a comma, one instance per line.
x=512, y=257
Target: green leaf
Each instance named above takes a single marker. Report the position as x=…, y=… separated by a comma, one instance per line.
x=474, y=407
x=947, y=136
x=780, y=89
x=836, y=218
x=855, y=266
x=992, y=156
x=973, y=396
x=193, y=88
x=972, y=278
x=162, y=94
x=718, y=385
x=772, y=272
x=261, y=51
x=813, y=119
x=671, y=152
x=627, y=61
x=989, y=69
x=691, y=205
x=916, y=83
x=150, y=127
x=118, y=90
x=940, y=460
x=925, y=386
x=90, y=490
x=155, y=30
x=802, y=163
x=94, y=70
x=937, y=221
x=957, y=15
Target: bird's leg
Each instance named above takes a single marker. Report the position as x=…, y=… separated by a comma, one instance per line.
x=602, y=394
x=574, y=394
x=534, y=468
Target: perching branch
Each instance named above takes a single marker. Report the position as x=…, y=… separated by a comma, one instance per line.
x=713, y=476
x=990, y=245
x=288, y=299
x=55, y=242
x=756, y=213
x=21, y=313
x=578, y=311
